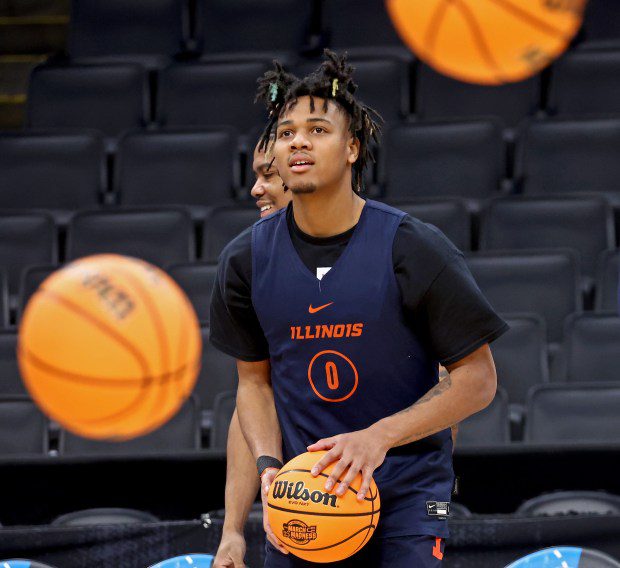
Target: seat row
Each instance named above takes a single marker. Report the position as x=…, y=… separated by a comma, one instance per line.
x=115, y=97
x=60, y=169
x=221, y=27
x=556, y=414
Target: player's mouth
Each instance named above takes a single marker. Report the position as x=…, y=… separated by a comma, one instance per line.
x=300, y=163
x=266, y=208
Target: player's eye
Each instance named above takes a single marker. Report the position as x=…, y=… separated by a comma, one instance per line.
x=284, y=134
x=319, y=130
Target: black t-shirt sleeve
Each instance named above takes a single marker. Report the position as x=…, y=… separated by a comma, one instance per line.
x=235, y=328
x=440, y=296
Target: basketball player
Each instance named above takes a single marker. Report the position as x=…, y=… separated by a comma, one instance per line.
x=404, y=296
x=242, y=483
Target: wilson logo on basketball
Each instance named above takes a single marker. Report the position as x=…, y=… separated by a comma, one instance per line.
x=299, y=492
x=115, y=299
x=298, y=531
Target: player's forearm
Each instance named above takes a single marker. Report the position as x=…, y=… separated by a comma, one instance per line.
x=242, y=481
x=257, y=411
x=469, y=388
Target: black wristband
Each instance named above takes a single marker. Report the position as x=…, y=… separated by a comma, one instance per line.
x=264, y=462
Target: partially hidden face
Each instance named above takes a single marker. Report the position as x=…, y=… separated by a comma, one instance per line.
x=268, y=189
x=314, y=149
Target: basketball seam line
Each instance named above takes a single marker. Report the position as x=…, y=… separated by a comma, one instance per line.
x=318, y=514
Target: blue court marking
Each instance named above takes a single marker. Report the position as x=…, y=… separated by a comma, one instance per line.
x=14, y=563
x=184, y=561
x=560, y=557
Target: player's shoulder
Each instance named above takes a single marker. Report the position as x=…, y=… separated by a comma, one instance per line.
x=238, y=249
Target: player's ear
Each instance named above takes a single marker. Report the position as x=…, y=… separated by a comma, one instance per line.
x=353, y=149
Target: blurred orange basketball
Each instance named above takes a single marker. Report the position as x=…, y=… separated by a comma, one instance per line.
x=487, y=41
x=109, y=347
x=314, y=524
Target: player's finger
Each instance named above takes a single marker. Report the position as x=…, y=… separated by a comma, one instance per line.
x=328, y=458
x=366, y=481
x=336, y=473
x=323, y=444
x=352, y=472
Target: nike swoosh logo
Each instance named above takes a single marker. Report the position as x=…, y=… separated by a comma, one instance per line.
x=315, y=310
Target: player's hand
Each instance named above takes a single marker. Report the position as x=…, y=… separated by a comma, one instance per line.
x=362, y=452
x=266, y=481
x=231, y=551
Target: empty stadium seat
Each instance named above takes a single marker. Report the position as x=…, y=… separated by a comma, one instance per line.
x=578, y=412
x=107, y=98
x=488, y=427
x=197, y=280
x=142, y=30
x=205, y=94
x=25, y=239
x=10, y=377
x=438, y=96
x=562, y=156
x=251, y=26
x=520, y=356
x=54, y=171
x=607, y=281
x=450, y=216
x=4, y=301
x=461, y=159
x=31, y=279
x=545, y=283
x=218, y=374
x=224, y=407
x=592, y=347
x=180, y=433
x=195, y=169
x=571, y=503
x=23, y=428
x=383, y=84
x=159, y=236
x=586, y=83
x=602, y=20
x=370, y=32
x=104, y=516
x=583, y=223
x=222, y=225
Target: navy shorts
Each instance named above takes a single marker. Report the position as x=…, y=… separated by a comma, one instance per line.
x=386, y=552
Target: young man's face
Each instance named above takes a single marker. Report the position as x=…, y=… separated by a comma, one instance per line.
x=268, y=190
x=314, y=150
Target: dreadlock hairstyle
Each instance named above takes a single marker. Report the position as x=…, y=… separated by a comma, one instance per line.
x=333, y=80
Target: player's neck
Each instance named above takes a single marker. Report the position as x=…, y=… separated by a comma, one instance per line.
x=327, y=214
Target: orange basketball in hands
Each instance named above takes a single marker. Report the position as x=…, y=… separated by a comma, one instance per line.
x=109, y=347
x=316, y=525
x=487, y=41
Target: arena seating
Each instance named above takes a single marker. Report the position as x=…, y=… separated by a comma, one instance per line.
x=30, y=280
x=179, y=434
x=571, y=503
x=23, y=428
x=104, y=516
x=607, y=281
x=443, y=159
x=586, y=83
x=224, y=407
x=143, y=30
x=199, y=94
x=602, y=22
x=189, y=168
x=10, y=379
x=450, y=216
x=4, y=302
x=217, y=374
x=573, y=413
x=566, y=155
x=57, y=171
x=439, y=97
x=107, y=98
x=583, y=223
x=25, y=239
x=592, y=347
x=487, y=427
x=163, y=236
x=197, y=280
x=221, y=226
